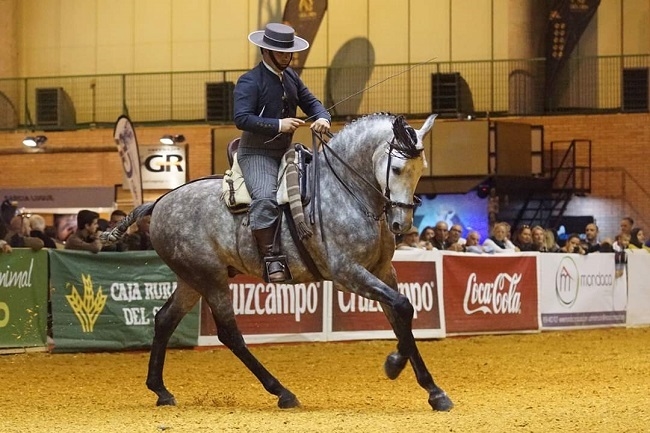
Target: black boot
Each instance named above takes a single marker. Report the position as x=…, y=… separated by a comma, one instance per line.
x=275, y=265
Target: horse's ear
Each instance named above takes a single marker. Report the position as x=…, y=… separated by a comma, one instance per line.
x=424, y=130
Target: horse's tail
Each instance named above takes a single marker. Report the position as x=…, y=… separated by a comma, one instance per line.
x=115, y=234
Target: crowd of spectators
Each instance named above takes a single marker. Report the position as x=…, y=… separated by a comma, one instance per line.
x=526, y=238
x=19, y=229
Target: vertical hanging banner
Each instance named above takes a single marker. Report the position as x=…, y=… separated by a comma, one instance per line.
x=108, y=301
x=127, y=147
x=305, y=17
x=23, y=298
x=567, y=22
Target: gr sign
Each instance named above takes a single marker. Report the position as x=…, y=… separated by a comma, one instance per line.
x=163, y=167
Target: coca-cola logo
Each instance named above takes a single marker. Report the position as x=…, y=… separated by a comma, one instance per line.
x=495, y=297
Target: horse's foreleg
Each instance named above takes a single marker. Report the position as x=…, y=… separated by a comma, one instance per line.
x=167, y=319
x=230, y=335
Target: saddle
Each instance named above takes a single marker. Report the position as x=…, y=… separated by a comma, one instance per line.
x=293, y=179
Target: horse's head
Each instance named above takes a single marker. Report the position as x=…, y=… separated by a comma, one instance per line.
x=398, y=166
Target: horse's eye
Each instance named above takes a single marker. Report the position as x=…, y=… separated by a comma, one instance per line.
x=396, y=171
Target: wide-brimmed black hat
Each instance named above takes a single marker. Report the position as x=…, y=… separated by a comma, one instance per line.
x=278, y=37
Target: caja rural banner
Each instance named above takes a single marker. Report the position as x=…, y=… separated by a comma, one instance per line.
x=23, y=298
x=107, y=301
x=418, y=276
x=582, y=291
x=269, y=312
x=490, y=293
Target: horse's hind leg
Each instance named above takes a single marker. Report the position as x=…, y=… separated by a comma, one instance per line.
x=167, y=319
x=230, y=335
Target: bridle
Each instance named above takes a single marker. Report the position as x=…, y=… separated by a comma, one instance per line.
x=385, y=197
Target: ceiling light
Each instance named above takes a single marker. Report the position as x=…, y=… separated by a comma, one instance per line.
x=38, y=141
x=172, y=139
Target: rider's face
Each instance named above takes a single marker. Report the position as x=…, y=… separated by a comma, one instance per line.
x=282, y=59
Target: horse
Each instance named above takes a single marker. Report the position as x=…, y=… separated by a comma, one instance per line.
x=366, y=179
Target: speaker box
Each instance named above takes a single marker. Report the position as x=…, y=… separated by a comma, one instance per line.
x=635, y=89
x=219, y=101
x=54, y=109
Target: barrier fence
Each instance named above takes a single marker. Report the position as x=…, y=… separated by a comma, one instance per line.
x=108, y=301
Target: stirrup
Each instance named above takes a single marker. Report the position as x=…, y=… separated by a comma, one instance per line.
x=276, y=269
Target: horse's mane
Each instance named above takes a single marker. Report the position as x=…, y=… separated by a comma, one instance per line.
x=405, y=142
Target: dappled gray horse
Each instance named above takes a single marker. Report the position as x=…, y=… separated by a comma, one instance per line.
x=366, y=175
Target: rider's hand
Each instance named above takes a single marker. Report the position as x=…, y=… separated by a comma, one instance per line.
x=290, y=124
x=321, y=126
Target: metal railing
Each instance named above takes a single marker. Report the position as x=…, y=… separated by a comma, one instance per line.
x=482, y=88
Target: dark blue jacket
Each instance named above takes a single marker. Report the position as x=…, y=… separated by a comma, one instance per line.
x=259, y=104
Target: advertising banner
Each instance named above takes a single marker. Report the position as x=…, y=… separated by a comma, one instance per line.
x=418, y=276
x=23, y=298
x=581, y=291
x=163, y=167
x=638, y=288
x=268, y=312
x=488, y=294
x=108, y=301
x=127, y=148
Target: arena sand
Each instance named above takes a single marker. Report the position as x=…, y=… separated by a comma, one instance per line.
x=579, y=381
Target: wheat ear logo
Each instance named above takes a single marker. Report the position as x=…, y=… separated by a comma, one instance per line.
x=88, y=307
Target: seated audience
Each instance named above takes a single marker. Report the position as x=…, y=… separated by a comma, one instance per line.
x=18, y=234
x=454, y=240
x=86, y=236
x=550, y=242
x=572, y=245
x=411, y=241
x=426, y=236
x=590, y=244
x=37, y=224
x=537, y=235
x=637, y=240
x=140, y=240
x=441, y=232
x=473, y=243
x=524, y=239
x=498, y=243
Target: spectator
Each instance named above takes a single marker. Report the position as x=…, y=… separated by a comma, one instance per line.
x=627, y=223
x=440, y=233
x=116, y=217
x=498, y=243
x=4, y=245
x=473, y=243
x=537, y=234
x=524, y=239
x=637, y=240
x=140, y=240
x=18, y=234
x=454, y=240
x=411, y=241
x=65, y=226
x=37, y=224
x=86, y=237
x=550, y=241
x=426, y=236
x=572, y=245
x=590, y=244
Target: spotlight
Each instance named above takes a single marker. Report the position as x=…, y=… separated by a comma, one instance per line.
x=38, y=141
x=172, y=139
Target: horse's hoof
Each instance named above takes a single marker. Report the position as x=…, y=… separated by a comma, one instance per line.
x=288, y=400
x=166, y=401
x=394, y=365
x=440, y=402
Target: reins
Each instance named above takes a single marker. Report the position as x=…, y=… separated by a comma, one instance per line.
x=317, y=140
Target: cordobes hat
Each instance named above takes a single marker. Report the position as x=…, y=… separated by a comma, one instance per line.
x=278, y=37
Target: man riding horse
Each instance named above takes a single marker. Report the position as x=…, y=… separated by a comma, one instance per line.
x=265, y=103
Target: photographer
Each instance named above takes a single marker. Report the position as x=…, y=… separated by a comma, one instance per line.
x=572, y=245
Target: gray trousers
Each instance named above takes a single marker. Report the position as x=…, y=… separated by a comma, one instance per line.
x=260, y=171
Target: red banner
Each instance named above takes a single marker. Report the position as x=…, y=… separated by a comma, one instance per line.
x=490, y=294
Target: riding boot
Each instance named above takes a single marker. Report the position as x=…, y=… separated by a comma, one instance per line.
x=276, y=269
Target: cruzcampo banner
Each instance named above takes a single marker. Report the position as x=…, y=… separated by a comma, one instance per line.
x=23, y=298
x=108, y=301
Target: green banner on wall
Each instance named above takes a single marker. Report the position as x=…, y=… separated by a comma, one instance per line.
x=23, y=298
x=108, y=301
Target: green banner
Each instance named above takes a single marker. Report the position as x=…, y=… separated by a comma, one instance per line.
x=108, y=301
x=23, y=298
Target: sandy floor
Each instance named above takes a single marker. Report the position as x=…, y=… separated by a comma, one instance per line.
x=584, y=381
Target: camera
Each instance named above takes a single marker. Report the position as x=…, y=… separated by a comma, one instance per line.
x=576, y=250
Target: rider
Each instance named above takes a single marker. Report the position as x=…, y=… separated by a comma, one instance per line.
x=265, y=102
